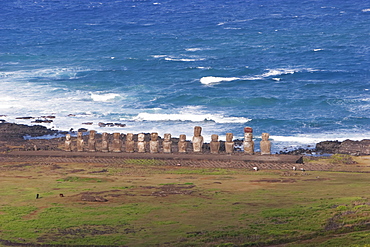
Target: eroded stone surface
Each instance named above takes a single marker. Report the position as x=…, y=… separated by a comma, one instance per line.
x=167, y=143
x=80, y=142
x=117, y=143
x=68, y=143
x=182, y=145
x=92, y=142
x=104, y=142
x=229, y=144
x=248, y=143
x=130, y=143
x=215, y=144
x=154, y=143
x=141, y=143
x=265, y=144
x=197, y=139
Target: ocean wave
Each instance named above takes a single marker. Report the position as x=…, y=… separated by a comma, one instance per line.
x=189, y=117
x=180, y=58
x=194, y=49
x=104, y=97
x=53, y=73
x=366, y=10
x=184, y=59
x=210, y=80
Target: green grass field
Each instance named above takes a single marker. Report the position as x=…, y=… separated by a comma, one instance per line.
x=146, y=204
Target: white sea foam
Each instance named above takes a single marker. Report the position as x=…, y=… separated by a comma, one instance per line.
x=194, y=49
x=184, y=59
x=180, y=58
x=366, y=10
x=104, y=97
x=208, y=80
x=56, y=73
x=191, y=114
x=159, y=56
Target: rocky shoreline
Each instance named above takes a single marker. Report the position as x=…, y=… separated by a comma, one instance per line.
x=12, y=137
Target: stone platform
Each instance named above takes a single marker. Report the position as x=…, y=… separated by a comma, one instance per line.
x=185, y=160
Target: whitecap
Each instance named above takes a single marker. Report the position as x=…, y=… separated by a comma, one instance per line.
x=366, y=10
x=159, y=56
x=208, y=80
x=193, y=49
x=184, y=59
x=56, y=73
x=104, y=97
x=317, y=49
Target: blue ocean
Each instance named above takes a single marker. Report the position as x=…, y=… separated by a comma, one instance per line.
x=299, y=70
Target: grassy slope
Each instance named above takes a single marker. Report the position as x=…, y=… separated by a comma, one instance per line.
x=152, y=205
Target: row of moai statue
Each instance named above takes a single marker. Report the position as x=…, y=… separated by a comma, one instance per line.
x=197, y=142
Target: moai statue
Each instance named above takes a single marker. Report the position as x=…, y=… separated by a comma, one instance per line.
x=182, y=145
x=92, y=142
x=104, y=142
x=197, y=139
x=117, y=143
x=68, y=143
x=141, y=143
x=167, y=143
x=154, y=143
x=215, y=144
x=248, y=142
x=80, y=142
x=265, y=144
x=130, y=143
x=229, y=144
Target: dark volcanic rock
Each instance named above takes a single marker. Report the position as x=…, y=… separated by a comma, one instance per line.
x=330, y=147
x=346, y=147
x=15, y=132
x=355, y=147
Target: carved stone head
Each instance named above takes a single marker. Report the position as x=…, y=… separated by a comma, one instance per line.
x=182, y=138
x=79, y=135
x=92, y=134
x=229, y=137
x=68, y=137
x=104, y=136
x=265, y=136
x=141, y=137
x=197, y=131
x=116, y=136
x=214, y=138
x=154, y=136
x=129, y=136
x=248, y=136
x=167, y=137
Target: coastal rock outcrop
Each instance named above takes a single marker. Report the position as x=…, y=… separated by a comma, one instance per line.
x=346, y=147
